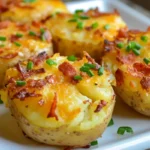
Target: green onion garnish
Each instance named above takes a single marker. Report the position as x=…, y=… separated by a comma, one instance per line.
x=79, y=11
x=121, y=130
x=30, y=65
x=1, y=102
x=146, y=60
x=17, y=44
x=29, y=1
x=19, y=35
x=20, y=83
x=77, y=77
x=111, y=122
x=100, y=71
x=73, y=20
x=94, y=143
x=144, y=38
x=136, y=52
x=80, y=25
x=107, y=26
x=32, y=33
x=72, y=58
x=2, y=38
x=95, y=25
x=84, y=17
x=42, y=30
x=90, y=66
x=87, y=70
x=120, y=45
x=50, y=62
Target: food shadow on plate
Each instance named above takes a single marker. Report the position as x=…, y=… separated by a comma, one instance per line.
x=123, y=110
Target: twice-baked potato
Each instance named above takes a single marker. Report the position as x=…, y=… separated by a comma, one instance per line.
x=18, y=42
x=128, y=57
x=26, y=11
x=60, y=101
x=84, y=31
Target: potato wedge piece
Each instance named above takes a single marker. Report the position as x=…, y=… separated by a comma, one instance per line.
x=84, y=31
x=128, y=58
x=52, y=105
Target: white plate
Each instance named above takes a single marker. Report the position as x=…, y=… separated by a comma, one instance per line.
x=11, y=137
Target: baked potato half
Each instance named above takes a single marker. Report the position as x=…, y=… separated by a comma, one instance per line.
x=18, y=42
x=26, y=11
x=61, y=101
x=128, y=57
x=84, y=31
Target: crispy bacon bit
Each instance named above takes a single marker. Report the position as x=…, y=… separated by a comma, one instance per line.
x=21, y=70
x=123, y=33
x=4, y=24
x=22, y=94
x=45, y=19
x=47, y=36
x=36, y=83
x=9, y=56
x=41, y=102
x=67, y=69
x=41, y=57
x=98, y=33
x=14, y=38
x=100, y=106
x=91, y=60
x=135, y=31
x=142, y=68
x=52, y=112
x=89, y=28
x=128, y=59
x=50, y=79
x=37, y=71
x=145, y=83
x=119, y=77
x=23, y=27
x=36, y=24
x=108, y=45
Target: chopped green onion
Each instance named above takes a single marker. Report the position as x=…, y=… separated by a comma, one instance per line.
x=133, y=45
x=136, y=52
x=120, y=45
x=107, y=26
x=79, y=11
x=30, y=65
x=87, y=70
x=19, y=35
x=121, y=130
x=94, y=143
x=84, y=17
x=144, y=38
x=95, y=25
x=29, y=1
x=146, y=60
x=2, y=45
x=138, y=46
x=100, y=71
x=128, y=48
x=20, y=83
x=80, y=25
x=42, y=30
x=50, y=62
x=111, y=122
x=90, y=73
x=2, y=38
x=73, y=20
x=77, y=77
x=1, y=102
x=72, y=58
x=90, y=66
x=32, y=33
x=17, y=44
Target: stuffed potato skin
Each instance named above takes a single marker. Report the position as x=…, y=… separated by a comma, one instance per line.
x=53, y=106
x=26, y=12
x=128, y=59
x=18, y=42
x=84, y=31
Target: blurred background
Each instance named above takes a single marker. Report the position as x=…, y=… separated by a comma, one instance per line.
x=141, y=5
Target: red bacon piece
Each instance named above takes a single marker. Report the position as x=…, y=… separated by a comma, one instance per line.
x=9, y=56
x=119, y=77
x=4, y=24
x=101, y=104
x=145, y=83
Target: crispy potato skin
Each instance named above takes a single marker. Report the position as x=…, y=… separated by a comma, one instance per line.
x=70, y=39
x=19, y=11
x=54, y=110
x=29, y=45
x=131, y=72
